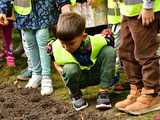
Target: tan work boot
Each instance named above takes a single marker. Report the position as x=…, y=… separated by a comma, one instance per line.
x=146, y=102
x=131, y=98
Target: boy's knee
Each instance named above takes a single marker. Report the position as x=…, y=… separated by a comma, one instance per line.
x=71, y=69
x=108, y=52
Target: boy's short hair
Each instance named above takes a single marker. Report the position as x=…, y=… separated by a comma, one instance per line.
x=69, y=26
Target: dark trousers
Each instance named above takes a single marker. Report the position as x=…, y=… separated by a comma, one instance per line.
x=138, y=52
x=101, y=73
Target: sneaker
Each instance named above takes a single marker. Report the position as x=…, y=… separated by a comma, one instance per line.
x=19, y=50
x=118, y=88
x=121, y=87
x=131, y=98
x=10, y=61
x=148, y=101
x=103, y=101
x=34, y=82
x=46, y=86
x=79, y=103
x=23, y=55
x=25, y=75
x=157, y=117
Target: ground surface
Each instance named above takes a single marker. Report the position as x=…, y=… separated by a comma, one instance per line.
x=25, y=104
x=18, y=103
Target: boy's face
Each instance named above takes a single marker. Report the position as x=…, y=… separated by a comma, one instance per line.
x=73, y=45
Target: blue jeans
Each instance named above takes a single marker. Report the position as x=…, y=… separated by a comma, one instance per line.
x=36, y=41
x=25, y=47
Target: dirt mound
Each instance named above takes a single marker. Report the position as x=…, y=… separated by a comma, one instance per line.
x=28, y=104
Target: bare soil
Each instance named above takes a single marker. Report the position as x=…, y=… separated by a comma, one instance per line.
x=28, y=104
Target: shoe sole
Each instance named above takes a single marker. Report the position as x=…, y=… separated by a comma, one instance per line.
x=103, y=106
x=121, y=109
x=154, y=108
x=47, y=93
x=78, y=109
x=22, y=79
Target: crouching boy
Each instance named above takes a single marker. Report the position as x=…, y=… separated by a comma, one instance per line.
x=86, y=60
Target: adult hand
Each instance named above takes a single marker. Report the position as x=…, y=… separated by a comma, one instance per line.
x=147, y=16
x=66, y=8
x=91, y=2
x=3, y=19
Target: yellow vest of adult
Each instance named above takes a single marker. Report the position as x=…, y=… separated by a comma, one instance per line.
x=23, y=7
x=133, y=7
x=113, y=13
x=63, y=57
x=73, y=2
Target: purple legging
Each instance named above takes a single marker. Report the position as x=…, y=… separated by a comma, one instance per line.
x=7, y=37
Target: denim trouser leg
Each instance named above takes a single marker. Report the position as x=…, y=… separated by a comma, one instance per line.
x=25, y=47
x=42, y=37
x=101, y=73
x=30, y=38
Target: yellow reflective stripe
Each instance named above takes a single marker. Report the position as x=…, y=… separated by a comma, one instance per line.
x=22, y=3
x=132, y=2
x=24, y=7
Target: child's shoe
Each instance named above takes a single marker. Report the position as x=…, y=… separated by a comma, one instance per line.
x=25, y=75
x=148, y=101
x=79, y=103
x=118, y=88
x=34, y=82
x=46, y=85
x=157, y=117
x=103, y=101
x=10, y=61
x=121, y=87
x=19, y=50
x=131, y=98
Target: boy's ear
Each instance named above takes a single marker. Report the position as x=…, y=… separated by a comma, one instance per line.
x=84, y=35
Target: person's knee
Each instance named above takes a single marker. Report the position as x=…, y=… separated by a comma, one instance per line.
x=71, y=70
x=108, y=52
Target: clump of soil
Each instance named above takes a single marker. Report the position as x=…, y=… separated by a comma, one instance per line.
x=28, y=104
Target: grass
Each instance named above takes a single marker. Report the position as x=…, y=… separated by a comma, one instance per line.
x=8, y=76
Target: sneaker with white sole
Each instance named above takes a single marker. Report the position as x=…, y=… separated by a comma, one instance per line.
x=34, y=82
x=26, y=74
x=46, y=85
x=103, y=101
x=78, y=103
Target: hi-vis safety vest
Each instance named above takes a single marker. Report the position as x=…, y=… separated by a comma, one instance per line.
x=133, y=7
x=63, y=57
x=23, y=7
x=113, y=12
x=73, y=2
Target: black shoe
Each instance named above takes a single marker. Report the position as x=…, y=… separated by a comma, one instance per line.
x=79, y=103
x=103, y=101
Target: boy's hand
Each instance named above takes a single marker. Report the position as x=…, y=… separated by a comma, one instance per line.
x=66, y=8
x=107, y=33
x=147, y=16
x=3, y=19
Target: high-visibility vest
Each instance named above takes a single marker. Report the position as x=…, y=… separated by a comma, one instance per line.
x=73, y=2
x=23, y=7
x=63, y=57
x=113, y=12
x=133, y=7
